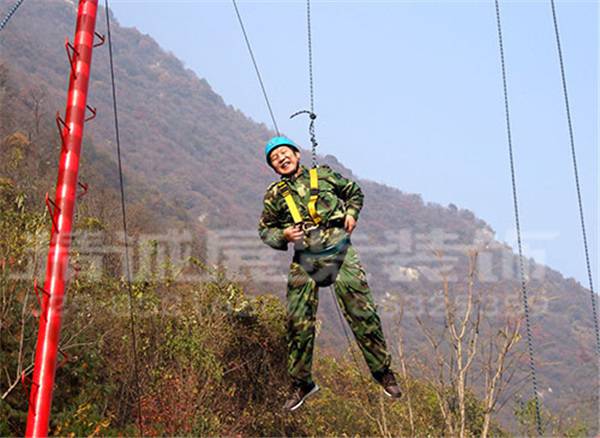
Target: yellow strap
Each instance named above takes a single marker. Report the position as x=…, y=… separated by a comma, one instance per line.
x=314, y=195
x=285, y=191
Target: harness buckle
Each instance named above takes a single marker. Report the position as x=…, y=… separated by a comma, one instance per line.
x=307, y=227
x=285, y=191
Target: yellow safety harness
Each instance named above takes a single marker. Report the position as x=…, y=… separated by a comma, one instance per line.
x=314, y=195
x=312, y=202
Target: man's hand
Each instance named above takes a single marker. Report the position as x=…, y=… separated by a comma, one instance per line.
x=349, y=224
x=293, y=233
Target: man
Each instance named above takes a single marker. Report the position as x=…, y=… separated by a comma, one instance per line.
x=318, y=222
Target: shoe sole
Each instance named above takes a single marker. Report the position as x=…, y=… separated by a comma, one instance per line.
x=390, y=395
x=312, y=391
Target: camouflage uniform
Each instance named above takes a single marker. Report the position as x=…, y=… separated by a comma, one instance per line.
x=324, y=257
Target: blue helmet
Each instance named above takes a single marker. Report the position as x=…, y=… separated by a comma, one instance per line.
x=276, y=142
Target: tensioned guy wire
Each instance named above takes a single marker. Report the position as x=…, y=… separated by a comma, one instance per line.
x=518, y=226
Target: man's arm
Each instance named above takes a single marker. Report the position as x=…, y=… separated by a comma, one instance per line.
x=269, y=227
x=350, y=192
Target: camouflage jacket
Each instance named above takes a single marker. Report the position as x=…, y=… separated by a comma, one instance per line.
x=338, y=197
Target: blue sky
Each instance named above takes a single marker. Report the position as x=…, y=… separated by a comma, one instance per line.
x=409, y=93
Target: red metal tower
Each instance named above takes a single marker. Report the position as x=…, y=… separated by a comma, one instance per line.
x=62, y=209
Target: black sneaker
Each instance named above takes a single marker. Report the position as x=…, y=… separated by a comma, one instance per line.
x=298, y=396
x=389, y=384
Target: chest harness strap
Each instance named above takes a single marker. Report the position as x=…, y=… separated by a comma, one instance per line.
x=314, y=195
x=312, y=203
x=285, y=191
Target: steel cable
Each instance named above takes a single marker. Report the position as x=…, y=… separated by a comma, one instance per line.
x=518, y=226
x=311, y=81
x=260, y=80
x=10, y=13
x=576, y=173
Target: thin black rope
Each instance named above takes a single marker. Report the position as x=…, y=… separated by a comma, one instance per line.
x=10, y=13
x=123, y=211
x=262, y=85
x=343, y=323
x=576, y=173
x=518, y=226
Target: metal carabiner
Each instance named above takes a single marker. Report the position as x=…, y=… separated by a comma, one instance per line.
x=307, y=227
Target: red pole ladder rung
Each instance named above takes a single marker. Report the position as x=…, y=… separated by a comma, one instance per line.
x=51, y=211
x=36, y=289
x=64, y=360
x=71, y=54
x=62, y=126
x=102, y=39
x=24, y=379
x=93, y=111
x=85, y=187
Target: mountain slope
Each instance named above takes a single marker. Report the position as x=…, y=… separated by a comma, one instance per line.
x=200, y=158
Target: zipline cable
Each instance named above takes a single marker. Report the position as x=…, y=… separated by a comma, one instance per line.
x=10, y=13
x=518, y=226
x=576, y=172
x=311, y=81
x=262, y=85
x=310, y=58
x=311, y=85
x=123, y=211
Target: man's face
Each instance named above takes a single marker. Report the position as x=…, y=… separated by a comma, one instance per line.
x=284, y=160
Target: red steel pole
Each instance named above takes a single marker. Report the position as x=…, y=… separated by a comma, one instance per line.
x=80, y=57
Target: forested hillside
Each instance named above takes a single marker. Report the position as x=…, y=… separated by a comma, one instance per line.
x=194, y=165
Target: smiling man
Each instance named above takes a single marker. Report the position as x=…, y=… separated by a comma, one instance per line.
x=317, y=211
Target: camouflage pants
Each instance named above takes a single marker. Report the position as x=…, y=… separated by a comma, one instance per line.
x=349, y=281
